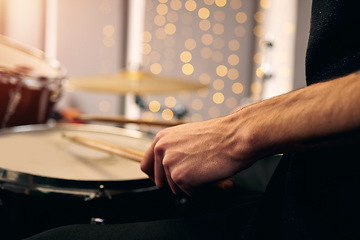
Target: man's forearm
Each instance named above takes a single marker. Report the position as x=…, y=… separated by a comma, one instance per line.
x=190, y=155
x=304, y=118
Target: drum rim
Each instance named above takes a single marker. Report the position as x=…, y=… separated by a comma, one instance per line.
x=37, y=53
x=26, y=182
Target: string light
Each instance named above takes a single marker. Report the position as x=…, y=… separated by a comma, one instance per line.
x=241, y=17
x=233, y=74
x=182, y=33
x=204, y=25
x=162, y=9
x=218, y=84
x=167, y=114
x=156, y=68
x=218, y=28
x=175, y=5
x=234, y=45
x=203, y=13
x=185, y=56
x=190, y=44
x=154, y=106
x=237, y=88
x=172, y=17
x=170, y=28
x=188, y=69
x=218, y=98
x=159, y=20
x=207, y=39
x=190, y=5
x=170, y=102
x=209, y=2
x=147, y=36
x=236, y=4
x=233, y=59
x=221, y=70
x=265, y=3
x=220, y=3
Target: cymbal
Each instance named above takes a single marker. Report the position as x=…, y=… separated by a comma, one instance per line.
x=137, y=82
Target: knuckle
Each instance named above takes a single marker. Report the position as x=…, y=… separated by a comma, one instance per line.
x=159, y=150
x=179, y=177
x=160, y=135
x=166, y=163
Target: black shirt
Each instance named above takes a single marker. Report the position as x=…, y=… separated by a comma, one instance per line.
x=316, y=195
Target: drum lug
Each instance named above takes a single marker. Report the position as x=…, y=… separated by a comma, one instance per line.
x=103, y=192
x=97, y=221
x=99, y=193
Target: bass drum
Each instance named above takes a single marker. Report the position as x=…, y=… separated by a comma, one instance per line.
x=47, y=181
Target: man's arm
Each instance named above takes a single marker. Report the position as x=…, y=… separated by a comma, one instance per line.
x=190, y=155
x=320, y=115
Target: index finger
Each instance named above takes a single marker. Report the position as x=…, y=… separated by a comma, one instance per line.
x=147, y=164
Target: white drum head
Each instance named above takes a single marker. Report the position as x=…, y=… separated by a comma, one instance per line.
x=42, y=151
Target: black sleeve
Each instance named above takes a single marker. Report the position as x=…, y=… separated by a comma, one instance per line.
x=334, y=42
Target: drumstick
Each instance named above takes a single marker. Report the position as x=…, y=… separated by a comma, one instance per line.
x=130, y=154
x=106, y=147
x=124, y=120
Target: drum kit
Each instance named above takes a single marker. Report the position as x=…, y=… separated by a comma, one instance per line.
x=47, y=180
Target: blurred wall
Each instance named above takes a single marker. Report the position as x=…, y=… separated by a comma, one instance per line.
x=90, y=40
x=24, y=21
x=302, y=34
x=210, y=42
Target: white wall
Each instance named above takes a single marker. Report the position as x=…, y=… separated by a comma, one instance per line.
x=280, y=29
x=87, y=45
x=23, y=21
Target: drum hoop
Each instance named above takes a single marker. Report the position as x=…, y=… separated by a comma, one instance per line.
x=37, y=54
x=26, y=183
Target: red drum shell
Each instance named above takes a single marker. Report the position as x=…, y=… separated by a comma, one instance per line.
x=30, y=84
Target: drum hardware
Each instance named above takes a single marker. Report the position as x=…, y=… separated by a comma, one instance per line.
x=15, y=96
x=97, y=221
x=123, y=120
x=102, y=192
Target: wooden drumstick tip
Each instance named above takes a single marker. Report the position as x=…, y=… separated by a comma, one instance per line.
x=67, y=136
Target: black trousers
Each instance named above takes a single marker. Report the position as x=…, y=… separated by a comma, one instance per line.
x=219, y=216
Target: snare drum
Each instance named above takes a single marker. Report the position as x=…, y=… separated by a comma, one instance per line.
x=30, y=84
x=48, y=181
